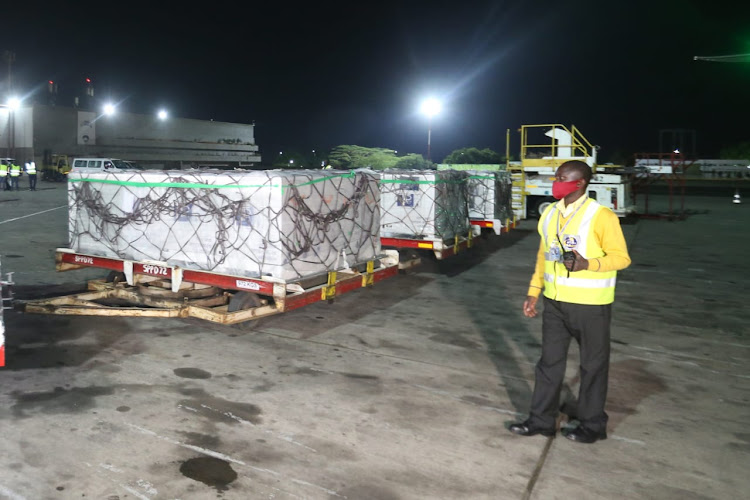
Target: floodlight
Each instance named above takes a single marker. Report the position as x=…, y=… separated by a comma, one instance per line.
x=431, y=107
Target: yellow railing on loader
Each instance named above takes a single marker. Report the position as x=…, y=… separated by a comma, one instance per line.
x=548, y=154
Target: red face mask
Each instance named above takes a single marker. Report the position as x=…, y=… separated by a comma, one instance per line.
x=562, y=189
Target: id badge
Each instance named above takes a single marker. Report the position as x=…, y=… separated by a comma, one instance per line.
x=554, y=252
x=570, y=241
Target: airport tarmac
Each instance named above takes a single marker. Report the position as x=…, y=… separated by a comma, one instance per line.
x=402, y=391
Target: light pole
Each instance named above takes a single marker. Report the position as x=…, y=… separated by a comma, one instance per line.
x=430, y=107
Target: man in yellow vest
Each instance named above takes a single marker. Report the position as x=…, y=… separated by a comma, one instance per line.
x=31, y=172
x=15, y=173
x=582, y=248
x=4, y=175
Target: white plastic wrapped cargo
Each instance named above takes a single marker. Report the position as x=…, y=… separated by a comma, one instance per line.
x=489, y=194
x=6, y=298
x=2, y=324
x=423, y=204
x=280, y=224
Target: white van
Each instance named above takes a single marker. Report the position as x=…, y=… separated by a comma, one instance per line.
x=102, y=165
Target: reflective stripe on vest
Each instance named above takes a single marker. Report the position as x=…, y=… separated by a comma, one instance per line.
x=3, y=170
x=15, y=171
x=580, y=287
x=31, y=168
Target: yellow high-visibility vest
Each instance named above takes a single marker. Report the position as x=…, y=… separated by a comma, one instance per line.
x=580, y=287
x=15, y=170
x=3, y=170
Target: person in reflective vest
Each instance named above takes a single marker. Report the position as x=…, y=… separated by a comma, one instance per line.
x=31, y=172
x=4, y=179
x=15, y=173
x=582, y=247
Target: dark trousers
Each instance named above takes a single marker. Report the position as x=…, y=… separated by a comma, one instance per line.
x=14, y=183
x=589, y=325
x=32, y=182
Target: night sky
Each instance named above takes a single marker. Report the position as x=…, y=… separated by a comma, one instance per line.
x=320, y=74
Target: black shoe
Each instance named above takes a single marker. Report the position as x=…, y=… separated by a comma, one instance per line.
x=526, y=429
x=585, y=435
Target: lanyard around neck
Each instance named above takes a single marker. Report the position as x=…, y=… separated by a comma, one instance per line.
x=557, y=226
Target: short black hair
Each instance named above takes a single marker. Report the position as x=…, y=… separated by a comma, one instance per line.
x=580, y=167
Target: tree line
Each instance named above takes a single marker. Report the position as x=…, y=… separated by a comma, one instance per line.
x=345, y=157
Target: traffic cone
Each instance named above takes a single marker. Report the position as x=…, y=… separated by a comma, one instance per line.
x=736, y=200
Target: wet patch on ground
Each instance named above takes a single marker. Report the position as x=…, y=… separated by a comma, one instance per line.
x=201, y=440
x=452, y=337
x=58, y=400
x=194, y=373
x=630, y=383
x=41, y=341
x=218, y=409
x=211, y=471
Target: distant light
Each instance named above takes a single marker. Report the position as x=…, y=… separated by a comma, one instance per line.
x=162, y=114
x=313, y=150
x=14, y=103
x=281, y=152
x=109, y=109
x=88, y=80
x=291, y=161
x=323, y=164
x=395, y=152
x=431, y=107
x=51, y=82
x=676, y=151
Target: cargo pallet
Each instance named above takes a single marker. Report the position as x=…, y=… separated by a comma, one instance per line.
x=157, y=289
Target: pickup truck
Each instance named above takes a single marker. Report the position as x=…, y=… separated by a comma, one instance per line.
x=102, y=165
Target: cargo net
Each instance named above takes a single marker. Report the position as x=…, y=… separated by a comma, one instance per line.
x=282, y=224
x=489, y=194
x=422, y=204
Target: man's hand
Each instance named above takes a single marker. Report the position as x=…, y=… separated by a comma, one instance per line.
x=580, y=264
x=529, y=306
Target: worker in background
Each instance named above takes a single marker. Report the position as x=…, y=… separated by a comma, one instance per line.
x=4, y=176
x=30, y=167
x=582, y=248
x=15, y=174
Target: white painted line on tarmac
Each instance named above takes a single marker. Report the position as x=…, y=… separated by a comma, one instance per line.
x=681, y=355
x=205, y=451
x=288, y=439
x=11, y=495
x=305, y=483
x=134, y=492
x=148, y=487
x=627, y=440
x=227, y=458
x=31, y=215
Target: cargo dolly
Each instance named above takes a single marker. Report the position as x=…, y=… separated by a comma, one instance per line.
x=157, y=289
x=495, y=225
x=441, y=248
